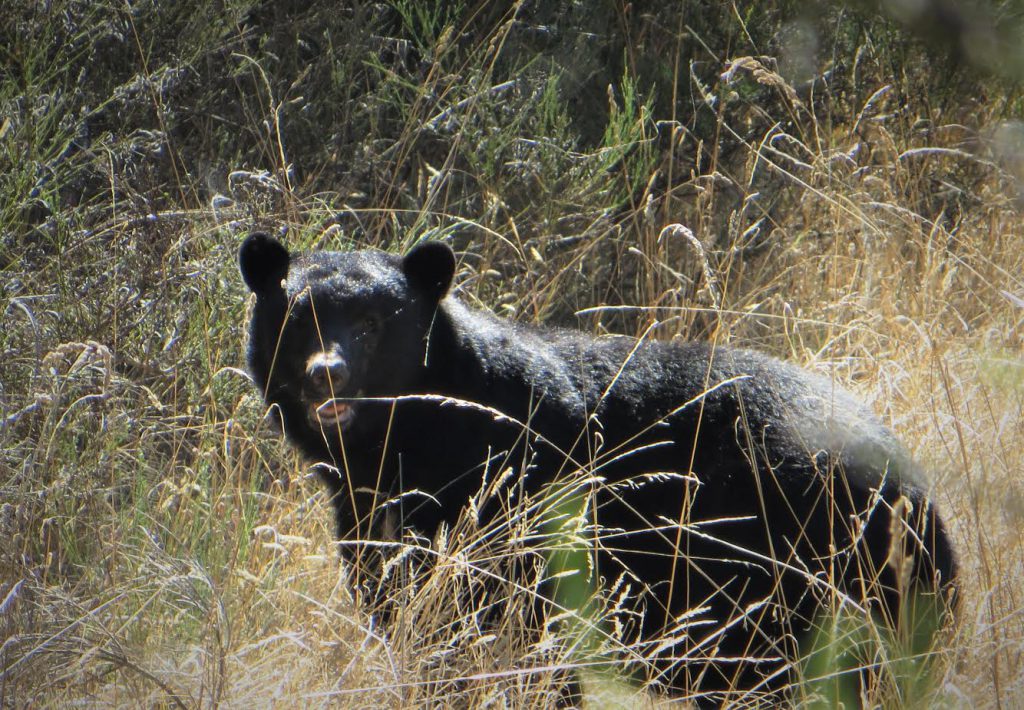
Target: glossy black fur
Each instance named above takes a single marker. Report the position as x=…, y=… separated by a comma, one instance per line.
x=772, y=464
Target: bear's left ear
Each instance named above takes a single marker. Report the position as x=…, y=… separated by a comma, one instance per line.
x=429, y=268
x=263, y=262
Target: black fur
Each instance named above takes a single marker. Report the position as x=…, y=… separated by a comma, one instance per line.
x=778, y=477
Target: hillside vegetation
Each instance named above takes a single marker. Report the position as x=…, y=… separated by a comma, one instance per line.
x=852, y=179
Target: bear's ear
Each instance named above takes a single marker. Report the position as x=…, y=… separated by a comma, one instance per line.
x=429, y=268
x=263, y=262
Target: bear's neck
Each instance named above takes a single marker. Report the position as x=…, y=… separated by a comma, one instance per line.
x=475, y=356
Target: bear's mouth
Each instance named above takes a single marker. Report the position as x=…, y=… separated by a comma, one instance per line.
x=333, y=413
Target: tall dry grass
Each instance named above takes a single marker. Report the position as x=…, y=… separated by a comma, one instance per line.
x=855, y=208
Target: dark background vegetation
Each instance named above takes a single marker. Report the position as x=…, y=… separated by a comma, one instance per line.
x=850, y=171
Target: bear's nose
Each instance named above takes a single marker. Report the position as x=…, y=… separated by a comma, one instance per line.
x=327, y=373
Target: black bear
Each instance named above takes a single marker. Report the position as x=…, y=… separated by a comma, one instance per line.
x=734, y=494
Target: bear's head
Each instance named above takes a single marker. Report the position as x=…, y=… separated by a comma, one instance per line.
x=331, y=329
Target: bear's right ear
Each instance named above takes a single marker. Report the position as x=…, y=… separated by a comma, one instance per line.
x=263, y=262
x=430, y=268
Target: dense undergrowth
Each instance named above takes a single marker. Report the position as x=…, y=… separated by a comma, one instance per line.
x=853, y=191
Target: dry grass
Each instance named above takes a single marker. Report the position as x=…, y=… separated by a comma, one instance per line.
x=164, y=547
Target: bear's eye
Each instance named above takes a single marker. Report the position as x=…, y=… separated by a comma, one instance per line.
x=370, y=325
